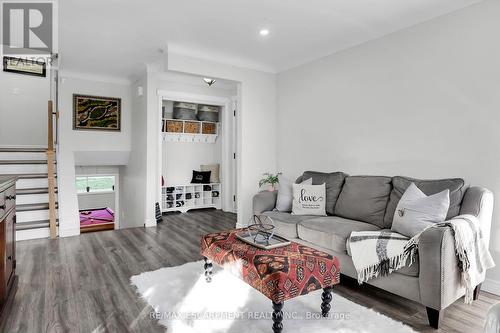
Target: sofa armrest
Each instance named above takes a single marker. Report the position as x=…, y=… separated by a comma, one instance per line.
x=478, y=201
x=264, y=201
x=439, y=277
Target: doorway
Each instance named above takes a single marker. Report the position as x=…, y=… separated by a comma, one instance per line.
x=97, y=202
x=187, y=148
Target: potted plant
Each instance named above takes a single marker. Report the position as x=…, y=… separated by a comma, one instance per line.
x=271, y=180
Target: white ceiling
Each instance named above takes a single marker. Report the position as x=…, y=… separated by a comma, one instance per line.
x=117, y=37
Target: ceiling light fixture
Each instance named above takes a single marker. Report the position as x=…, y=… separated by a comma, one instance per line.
x=209, y=81
x=264, y=32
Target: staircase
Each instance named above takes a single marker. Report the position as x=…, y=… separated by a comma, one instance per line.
x=32, y=189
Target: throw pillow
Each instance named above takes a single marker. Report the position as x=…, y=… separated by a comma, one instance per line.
x=333, y=183
x=214, y=169
x=201, y=177
x=285, y=193
x=456, y=186
x=415, y=211
x=309, y=199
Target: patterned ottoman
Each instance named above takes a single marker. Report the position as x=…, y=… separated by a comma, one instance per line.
x=280, y=274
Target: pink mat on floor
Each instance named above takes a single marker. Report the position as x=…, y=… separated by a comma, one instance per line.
x=96, y=216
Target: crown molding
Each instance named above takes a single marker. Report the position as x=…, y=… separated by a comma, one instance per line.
x=221, y=59
x=95, y=77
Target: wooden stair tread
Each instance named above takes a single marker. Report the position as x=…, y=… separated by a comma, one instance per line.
x=34, y=224
x=30, y=207
x=34, y=190
x=24, y=162
x=31, y=175
x=22, y=150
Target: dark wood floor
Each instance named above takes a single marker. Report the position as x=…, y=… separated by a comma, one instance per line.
x=82, y=284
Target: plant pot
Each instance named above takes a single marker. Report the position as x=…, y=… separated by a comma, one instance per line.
x=270, y=188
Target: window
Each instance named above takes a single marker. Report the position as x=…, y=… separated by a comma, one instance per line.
x=95, y=184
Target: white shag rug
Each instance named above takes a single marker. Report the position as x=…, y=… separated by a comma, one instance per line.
x=184, y=302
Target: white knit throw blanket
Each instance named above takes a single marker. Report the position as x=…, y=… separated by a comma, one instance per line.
x=378, y=253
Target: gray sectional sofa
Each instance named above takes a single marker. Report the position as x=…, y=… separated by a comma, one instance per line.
x=364, y=203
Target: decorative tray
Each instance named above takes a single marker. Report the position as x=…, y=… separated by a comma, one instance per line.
x=262, y=239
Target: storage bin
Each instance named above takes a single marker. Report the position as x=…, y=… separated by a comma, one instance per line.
x=184, y=105
x=174, y=126
x=208, y=113
x=208, y=128
x=191, y=127
x=184, y=114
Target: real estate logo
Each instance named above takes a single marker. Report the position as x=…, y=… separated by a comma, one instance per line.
x=27, y=27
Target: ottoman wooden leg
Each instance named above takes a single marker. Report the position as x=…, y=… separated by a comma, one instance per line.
x=326, y=298
x=277, y=317
x=208, y=269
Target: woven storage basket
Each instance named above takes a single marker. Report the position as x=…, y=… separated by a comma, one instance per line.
x=209, y=128
x=191, y=127
x=174, y=126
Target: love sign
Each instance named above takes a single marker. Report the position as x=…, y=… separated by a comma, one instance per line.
x=309, y=199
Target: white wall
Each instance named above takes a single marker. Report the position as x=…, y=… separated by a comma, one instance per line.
x=133, y=182
x=181, y=158
x=256, y=122
x=23, y=109
x=96, y=200
x=423, y=102
x=79, y=145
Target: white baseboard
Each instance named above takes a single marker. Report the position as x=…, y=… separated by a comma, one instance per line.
x=69, y=232
x=150, y=223
x=491, y=286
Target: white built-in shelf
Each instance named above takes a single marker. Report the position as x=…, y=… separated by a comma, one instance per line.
x=178, y=130
x=183, y=197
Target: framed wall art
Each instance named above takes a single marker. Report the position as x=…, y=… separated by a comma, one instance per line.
x=24, y=66
x=96, y=113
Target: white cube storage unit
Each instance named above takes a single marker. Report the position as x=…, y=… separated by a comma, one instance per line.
x=184, y=197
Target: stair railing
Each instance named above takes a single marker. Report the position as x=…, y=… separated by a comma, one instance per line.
x=50, y=170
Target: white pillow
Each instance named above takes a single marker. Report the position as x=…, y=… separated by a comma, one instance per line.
x=309, y=199
x=415, y=211
x=214, y=171
x=285, y=193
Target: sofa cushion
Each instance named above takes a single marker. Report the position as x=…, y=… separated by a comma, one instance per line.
x=286, y=223
x=364, y=198
x=331, y=232
x=333, y=181
x=412, y=270
x=456, y=186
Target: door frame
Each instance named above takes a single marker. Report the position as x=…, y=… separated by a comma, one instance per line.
x=116, y=193
x=226, y=136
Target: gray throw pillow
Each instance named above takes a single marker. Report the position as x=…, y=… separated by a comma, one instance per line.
x=333, y=182
x=364, y=198
x=456, y=186
x=285, y=193
x=416, y=211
